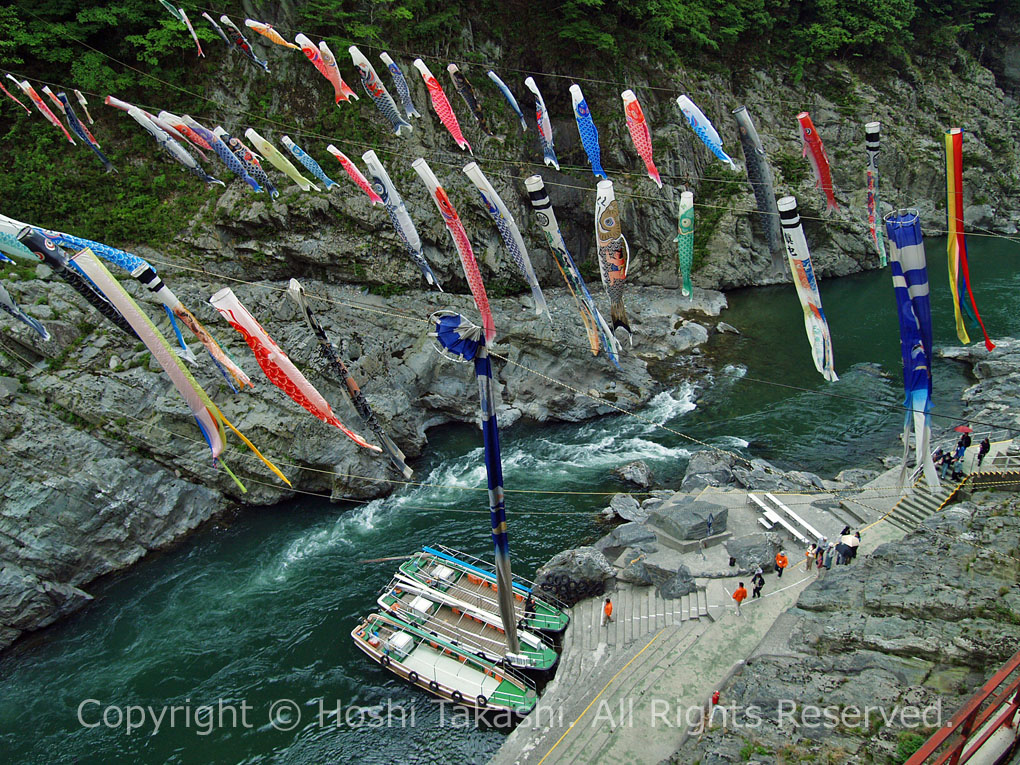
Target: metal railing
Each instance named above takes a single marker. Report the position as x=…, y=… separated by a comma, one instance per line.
x=987, y=711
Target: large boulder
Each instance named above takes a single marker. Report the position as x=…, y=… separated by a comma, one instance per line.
x=637, y=473
x=574, y=575
x=635, y=535
x=708, y=468
x=626, y=507
x=688, y=519
x=755, y=550
x=678, y=585
x=636, y=572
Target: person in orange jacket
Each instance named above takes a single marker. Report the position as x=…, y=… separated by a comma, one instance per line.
x=781, y=563
x=607, y=612
x=739, y=595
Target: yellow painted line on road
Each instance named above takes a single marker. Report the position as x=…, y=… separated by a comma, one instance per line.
x=599, y=695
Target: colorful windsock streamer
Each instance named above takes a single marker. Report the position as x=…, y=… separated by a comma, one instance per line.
x=400, y=83
x=336, y=365
x=467, y=93
x=14, y=98
x=8, y=305
x=267, y=31
x=872, y=135
x=241, y=42
x=685, y=240
x=187, y=134
x=815, y=324
x=463, y=340
x=278, y=161
x=913, y=308
x=463, y=244
x=84, y=106
x=588, y=132
x=223, y=152
x=640, y=133
x=330, y=72
x=703, y=129
x=191, y=30
x=310, y=164
x=545, y=134
x=813, y=148
x=251, y=162
x=36, y=99
x=210, y=419
x=599, y=333
x=354, y=173
x=334, y=71
x=218, y=29
x=956, y=243
x=399, y=217
x=171, y=147
x=377, y=92
x=79, y=130
x=508, y=230
x=759, y=175
x=441, y=104
x=278, y=368
x=509, y=98
x=613, y=253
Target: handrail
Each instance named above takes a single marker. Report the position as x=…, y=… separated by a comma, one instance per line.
x=955, y=735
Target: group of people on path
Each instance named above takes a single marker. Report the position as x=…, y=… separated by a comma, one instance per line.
x=950, y=462
x=821, y=555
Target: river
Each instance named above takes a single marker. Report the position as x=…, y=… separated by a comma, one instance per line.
x=246, y=613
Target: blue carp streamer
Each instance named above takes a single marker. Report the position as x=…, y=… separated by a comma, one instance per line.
x=79, y=130
x=589, y=133
x=509, y=98
x=310, y=164
x=400, y=83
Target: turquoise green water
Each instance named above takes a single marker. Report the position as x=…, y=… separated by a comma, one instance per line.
x=259, y=610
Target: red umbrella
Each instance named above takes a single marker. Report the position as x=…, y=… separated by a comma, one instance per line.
x=963, y=429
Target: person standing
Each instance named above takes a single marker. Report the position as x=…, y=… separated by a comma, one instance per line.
x=607, y=612
x=830, y=553
x=739, y=595
x=708, y=524
x=983, y=450
x=757, y=582
x=810, y=558
x=781, y=562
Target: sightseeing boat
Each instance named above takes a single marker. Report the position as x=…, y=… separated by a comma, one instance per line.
x=474, y=581
x=479, y=631
x=442, y=668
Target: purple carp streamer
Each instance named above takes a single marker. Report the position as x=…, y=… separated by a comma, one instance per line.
x=463, y=244
x=599, y=333
x=703, y=129
x=310, y=164
x=219, y=30
x=248, y=159
x=377, y=91
x=210, y=419
x=399, y=217
x=441, y=104
x=613, y=253
x=85, y=134
x=241, y=42
x=467, y=92
x=278, y=368
x=400, y=83
x=545, y=134
x=815, y=324
x=280, y=162
x=331, y=355
x=508, y=230
x=267, y=31
x=509, y=98
x=8, y=305
x=223, y=152
x=79, y=130
x=759, y=175
x=640, y=133
x=588, y=132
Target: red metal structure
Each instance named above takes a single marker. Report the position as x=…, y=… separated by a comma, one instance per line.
x=996, y=703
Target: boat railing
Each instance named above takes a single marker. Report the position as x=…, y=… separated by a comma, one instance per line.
x=520, y=582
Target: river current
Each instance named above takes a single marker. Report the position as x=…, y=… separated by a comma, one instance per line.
x=255, y=612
